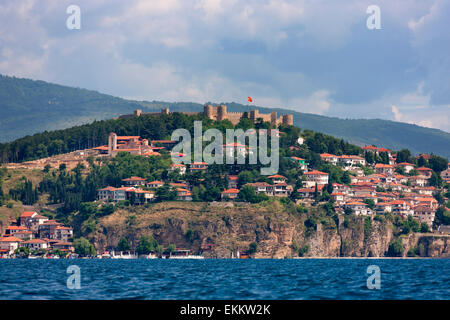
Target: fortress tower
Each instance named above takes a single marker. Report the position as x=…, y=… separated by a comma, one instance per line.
x=254, y=114
x=112, y=143
x=288, y=119
x=273, y=118
x=208, y=111
x=221, y=112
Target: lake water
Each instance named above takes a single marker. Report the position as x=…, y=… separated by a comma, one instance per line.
x=226, y=279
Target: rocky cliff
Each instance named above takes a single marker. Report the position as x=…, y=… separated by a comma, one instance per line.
x=221, y=229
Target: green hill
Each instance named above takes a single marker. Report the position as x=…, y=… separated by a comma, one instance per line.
x=28, y=107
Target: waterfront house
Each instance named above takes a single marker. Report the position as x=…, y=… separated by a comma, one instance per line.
x=35, y=244
x=9, y=244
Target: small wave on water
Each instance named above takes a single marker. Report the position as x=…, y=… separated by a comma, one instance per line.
x=225, y=279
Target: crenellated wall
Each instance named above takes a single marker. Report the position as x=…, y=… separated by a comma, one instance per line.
x=219, y=113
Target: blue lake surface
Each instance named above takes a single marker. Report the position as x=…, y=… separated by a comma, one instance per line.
x=225, y=279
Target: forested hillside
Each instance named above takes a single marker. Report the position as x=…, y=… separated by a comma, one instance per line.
x=28, y=107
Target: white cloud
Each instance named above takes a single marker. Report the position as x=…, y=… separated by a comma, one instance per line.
x=177, y=50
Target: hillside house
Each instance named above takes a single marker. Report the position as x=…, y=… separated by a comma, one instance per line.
x=425, y=214
x=133, y=182
x=384, y=168
x=198, y=166
x=178, y=166
x=230, y=194
x=330, y=158
x=425, y=172
x=315, y=177
x=155, y=184
x=407, y=167
x=300, y=162
x=358, y=208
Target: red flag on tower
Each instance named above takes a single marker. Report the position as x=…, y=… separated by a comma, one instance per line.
x=250, y=99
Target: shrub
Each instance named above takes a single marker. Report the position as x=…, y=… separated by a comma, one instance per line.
x=303, y=250
x=252, y=248
x=395, y=248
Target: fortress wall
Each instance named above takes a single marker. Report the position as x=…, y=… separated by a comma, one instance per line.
x=234, y=117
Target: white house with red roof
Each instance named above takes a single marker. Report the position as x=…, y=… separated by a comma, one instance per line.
x=358, y=208
x=384, y=168
x=178, y=166
x=277, y=178
x=315, y=177
x=351, y=160
x=35, y=244
x=407, y=167
x=230, y=194
x=133, y=182
x=140, y=196
x=184, y=194
x=328, y=157
x=31, y=220
x=198, y=166
x=425, y=172
x=112, y=194
x=232, y=181
x=9, y=244
x=155, y=184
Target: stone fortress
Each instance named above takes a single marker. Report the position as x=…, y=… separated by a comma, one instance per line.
x=220, y=112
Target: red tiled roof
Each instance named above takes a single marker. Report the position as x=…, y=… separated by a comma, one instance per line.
x=10, y=239
x=231, y=191
x=382, y=165
x=327, y=155
x=277, y=176
x=316, y=172
x=35, y=241
x=16, y=228
x=134, y=179
x=423, y=169
x=27, y=214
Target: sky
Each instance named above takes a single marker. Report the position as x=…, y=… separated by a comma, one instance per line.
x=312, y=56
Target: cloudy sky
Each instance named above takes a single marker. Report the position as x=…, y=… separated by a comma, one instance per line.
x=308, y=55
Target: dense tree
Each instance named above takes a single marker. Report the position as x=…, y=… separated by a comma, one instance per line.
x=146, y=245
x=437, y=163
x=123, y=244
x=83, y=247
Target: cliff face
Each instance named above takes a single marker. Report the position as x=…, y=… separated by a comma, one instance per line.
x=427, y=245
x=221, y=229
